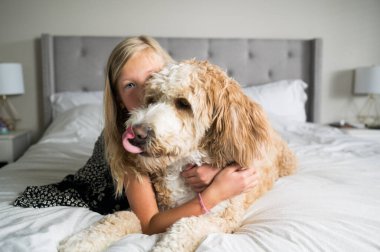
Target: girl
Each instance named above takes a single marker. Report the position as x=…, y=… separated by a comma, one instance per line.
x=130, y=64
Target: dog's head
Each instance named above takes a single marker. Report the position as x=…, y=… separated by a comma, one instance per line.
x=192, y=106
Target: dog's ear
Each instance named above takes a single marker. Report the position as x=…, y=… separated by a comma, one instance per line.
x=240, y=131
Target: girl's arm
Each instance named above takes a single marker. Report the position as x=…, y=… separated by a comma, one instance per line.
x=229, y=182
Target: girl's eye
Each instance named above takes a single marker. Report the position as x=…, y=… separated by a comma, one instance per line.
x=129, y=85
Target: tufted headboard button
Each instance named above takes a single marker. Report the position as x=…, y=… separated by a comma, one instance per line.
x=230, y=73
x=270, y=74
x=83, y=52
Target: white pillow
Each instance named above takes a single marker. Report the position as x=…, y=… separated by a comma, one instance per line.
x=285, y=98
x=64, y=101
x=82, y=123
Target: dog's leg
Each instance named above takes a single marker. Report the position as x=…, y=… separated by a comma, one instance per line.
x=286, y=160
x=186, y=234
x=101, y=234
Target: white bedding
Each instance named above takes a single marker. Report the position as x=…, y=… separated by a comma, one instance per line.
x=331, y=204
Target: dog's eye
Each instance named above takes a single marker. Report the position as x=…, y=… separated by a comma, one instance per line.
x=182, y=103
x=150, y=100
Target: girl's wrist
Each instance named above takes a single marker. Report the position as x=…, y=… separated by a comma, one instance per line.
x=204, y=208
x=210, y=197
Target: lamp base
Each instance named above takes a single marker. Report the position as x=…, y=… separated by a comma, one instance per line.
x=11, y=111
x=369, y=114
x=6, y=125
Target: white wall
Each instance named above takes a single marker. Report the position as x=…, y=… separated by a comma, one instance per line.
x=350, y=30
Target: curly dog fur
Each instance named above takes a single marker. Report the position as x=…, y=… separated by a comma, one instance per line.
x=194, y=113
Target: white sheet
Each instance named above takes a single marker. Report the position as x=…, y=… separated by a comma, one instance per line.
x=331, y=204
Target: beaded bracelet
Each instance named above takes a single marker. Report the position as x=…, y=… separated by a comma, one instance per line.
x=203, y=206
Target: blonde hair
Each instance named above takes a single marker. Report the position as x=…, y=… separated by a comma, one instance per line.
x=114, y=115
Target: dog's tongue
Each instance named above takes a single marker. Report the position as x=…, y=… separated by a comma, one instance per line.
x=129, y=134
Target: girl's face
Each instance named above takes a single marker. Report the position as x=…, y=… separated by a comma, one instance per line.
x=131, y=82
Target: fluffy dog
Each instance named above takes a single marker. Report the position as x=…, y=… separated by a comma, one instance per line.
x=193, y=113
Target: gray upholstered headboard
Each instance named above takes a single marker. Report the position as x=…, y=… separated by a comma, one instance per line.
x=75, y=63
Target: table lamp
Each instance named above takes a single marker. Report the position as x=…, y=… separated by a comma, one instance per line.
x=11, y=83
x=367, y=81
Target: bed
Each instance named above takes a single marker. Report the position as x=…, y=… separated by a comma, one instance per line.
x=331, y=204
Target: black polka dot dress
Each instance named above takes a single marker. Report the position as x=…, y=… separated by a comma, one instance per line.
x=91, y=187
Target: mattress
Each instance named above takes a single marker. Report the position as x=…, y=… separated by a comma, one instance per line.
x=332, y=203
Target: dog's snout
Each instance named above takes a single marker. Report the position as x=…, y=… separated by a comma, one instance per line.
x=142, y=133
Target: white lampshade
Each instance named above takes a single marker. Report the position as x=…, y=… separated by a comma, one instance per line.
x=367, y=80
x=11, y=79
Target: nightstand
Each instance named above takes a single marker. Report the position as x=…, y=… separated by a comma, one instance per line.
x=372, y=134
x=13, y=144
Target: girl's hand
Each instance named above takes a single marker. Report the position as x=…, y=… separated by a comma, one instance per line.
x=199, y=177
x=232, y=181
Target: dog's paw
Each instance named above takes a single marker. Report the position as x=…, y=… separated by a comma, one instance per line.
x=186, y=234
x=100, y=235
x=78, y=243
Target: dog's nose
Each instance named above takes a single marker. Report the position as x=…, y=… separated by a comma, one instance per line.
x=142, y=133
